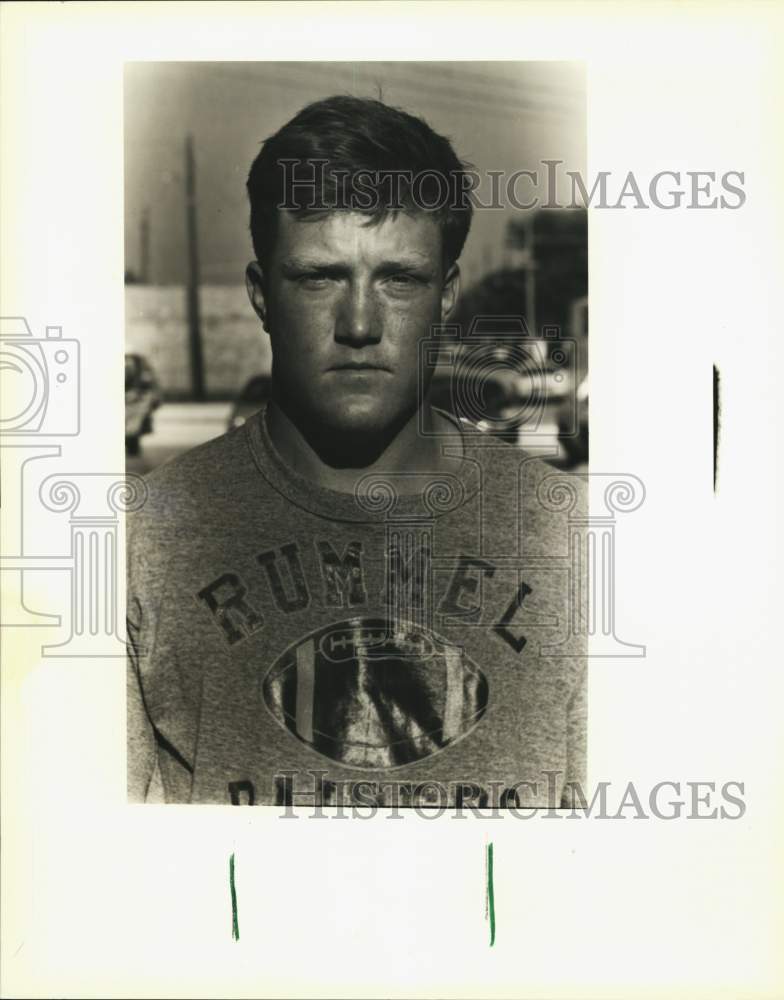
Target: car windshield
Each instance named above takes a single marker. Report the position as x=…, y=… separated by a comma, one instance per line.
x=131, y=370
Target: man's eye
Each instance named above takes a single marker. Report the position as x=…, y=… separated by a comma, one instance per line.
x=313, y=280
x=403, y=280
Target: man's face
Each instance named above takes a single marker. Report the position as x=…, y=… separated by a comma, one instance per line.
x=346, y=304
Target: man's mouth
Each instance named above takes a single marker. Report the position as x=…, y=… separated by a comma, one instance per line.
x=358, y=366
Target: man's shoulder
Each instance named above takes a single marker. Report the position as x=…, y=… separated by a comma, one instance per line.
x=195, y=476
x=542, y=483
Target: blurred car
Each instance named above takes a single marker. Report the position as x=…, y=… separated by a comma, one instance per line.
x=498, y=391
x=254, y=394
x=142, y=398
x=575, y=446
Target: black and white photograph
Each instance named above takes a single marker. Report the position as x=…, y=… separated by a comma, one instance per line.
x=361, y=587
x=389, y=415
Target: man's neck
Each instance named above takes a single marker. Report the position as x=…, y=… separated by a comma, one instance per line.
x=408, y=451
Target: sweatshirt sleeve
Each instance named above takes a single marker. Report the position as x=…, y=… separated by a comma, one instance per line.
x=577, y=705
x=576, y=736
x=142, y=755
x=141, y=743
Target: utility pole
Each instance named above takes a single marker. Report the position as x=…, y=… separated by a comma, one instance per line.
x=521, y=238
x=530, y=283
x=194, y=322
x=144, y=247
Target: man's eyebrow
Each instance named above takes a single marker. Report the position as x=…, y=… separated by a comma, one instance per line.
x=302, y=262
x=411, y=259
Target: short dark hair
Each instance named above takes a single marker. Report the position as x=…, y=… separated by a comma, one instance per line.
x=344, y=153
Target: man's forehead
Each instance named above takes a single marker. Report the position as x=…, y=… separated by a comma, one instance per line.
x=412, y=236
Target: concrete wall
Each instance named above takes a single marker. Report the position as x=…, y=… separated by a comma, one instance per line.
x=233, y=342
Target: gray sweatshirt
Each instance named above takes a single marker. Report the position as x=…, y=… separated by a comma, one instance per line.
x=420, y=643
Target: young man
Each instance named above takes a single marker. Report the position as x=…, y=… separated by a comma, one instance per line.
x=353, y=596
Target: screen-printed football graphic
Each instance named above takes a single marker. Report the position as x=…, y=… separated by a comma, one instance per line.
x=372, y=694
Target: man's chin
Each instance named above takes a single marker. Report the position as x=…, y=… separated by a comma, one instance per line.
x=361, y=419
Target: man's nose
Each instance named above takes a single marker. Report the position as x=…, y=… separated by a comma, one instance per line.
x=357, y=321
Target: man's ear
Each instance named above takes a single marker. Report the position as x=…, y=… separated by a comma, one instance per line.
x=450, y=292
x=254, y=282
